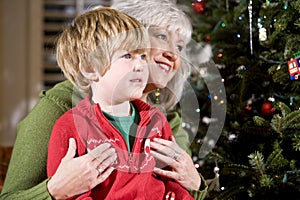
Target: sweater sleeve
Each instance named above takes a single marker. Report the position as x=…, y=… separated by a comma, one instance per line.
x=181, y=136
x=26, y=177
x=62, y=131
x=182, y=139
x=201, y=193
x=58, y=144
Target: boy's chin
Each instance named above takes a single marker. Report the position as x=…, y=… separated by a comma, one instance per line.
x=137, y=95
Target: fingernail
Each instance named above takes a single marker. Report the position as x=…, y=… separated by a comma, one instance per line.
x=71, y=140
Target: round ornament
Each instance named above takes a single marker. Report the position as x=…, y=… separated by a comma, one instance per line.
x=207, y=38
x=199, y=6
x=267, y=109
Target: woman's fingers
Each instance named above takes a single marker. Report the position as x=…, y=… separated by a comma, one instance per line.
x=164, y=158
x=107, y=156
x=103, y=175
x=104, y=155
x=76, y=175
x=106, y=163
x=167, y=173
x=167, y=148
x=97, y=151
x=183, y=169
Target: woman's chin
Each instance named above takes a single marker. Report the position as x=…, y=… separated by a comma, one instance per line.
x=159, y=81
x=153, y=86
x=160, y=85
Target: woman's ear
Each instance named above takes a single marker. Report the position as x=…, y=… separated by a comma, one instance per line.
x=90, y=73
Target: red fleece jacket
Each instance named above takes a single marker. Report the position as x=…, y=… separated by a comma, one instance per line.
x=134, y=177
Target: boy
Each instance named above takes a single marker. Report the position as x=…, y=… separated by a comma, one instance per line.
x=104, y=54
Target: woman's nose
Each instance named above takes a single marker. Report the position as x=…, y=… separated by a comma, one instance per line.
x=170, y=56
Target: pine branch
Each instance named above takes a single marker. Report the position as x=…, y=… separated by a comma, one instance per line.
x=285, y=110
x=257, y=162
x=275, y=160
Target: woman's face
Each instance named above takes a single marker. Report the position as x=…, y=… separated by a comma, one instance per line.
x=166, y=46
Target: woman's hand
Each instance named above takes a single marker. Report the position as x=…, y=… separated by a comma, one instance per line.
x=78, y=175
x=183, y=169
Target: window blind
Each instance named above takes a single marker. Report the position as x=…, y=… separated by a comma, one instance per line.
x=58, y=13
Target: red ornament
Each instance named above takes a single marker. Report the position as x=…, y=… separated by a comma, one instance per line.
x=267, y=109
x=199, y=6
x=207, y=38
x=219, y=55
x=248, y=107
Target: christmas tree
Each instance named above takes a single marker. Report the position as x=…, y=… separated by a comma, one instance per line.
x=255, y=46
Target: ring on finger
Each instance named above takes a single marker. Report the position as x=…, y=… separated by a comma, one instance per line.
x=176, y=155
x=99, y=169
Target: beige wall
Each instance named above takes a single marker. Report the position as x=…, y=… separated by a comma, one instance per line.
x=20, y=62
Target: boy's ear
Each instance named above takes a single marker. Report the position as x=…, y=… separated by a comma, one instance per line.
x=90, y=73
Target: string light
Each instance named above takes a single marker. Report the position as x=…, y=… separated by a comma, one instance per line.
x=250, y=26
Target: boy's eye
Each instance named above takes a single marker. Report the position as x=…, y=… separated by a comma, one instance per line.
x=127, y=56
x=143, y=56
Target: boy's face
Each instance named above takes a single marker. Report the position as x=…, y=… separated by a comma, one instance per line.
x=126, y=78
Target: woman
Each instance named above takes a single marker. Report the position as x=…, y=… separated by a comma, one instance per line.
x=26, y=177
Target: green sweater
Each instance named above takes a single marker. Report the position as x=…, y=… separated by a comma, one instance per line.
x=26, y=178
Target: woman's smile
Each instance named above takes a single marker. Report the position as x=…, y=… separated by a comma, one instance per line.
x=165, y=67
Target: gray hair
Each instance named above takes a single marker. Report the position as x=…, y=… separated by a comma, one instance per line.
x=163, y=13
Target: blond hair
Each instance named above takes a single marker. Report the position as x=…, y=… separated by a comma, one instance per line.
x=92, y=39
x=163, y=13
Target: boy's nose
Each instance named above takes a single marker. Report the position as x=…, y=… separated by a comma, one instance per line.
x=138, y=67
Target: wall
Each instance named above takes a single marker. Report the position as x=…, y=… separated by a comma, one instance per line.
x=20, y=62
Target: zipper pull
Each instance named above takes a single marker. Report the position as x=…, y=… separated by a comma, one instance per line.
x=130, y=162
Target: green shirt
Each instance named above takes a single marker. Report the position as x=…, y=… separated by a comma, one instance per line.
x=125, y=125
x=26, y=178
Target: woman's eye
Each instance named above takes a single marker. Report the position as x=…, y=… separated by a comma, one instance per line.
x=127, y=56
x=179, y=47
x=161, y=36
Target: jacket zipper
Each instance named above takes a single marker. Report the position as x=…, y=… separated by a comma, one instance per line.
x=130, y=162
x=130, y=154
